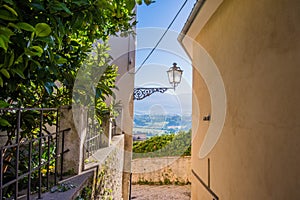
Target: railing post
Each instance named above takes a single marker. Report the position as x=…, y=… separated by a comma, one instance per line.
x=40, y=155
x=57, y=139
x=74, y=118
x=1, y=172
x=17, y=153
x=62, y=155
x=108, y=131
x=29, y=169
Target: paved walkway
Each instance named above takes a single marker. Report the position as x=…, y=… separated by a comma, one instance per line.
x=161, y=192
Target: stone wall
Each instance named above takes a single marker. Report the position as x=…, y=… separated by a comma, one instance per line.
x=109, y=164
x=74, y=118
x=165, y=170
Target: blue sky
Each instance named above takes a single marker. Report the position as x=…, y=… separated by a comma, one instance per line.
x=161, y=13
x=153, y=20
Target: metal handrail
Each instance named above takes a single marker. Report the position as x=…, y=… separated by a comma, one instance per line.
x=94, y=140
x=207, y=187
x=44, y=141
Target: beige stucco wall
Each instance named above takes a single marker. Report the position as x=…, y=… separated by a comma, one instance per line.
x=256, y=46
x=123, y=54
x=164, y=170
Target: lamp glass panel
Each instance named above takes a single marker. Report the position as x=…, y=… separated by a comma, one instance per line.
x=170, y=76
x=177, y=76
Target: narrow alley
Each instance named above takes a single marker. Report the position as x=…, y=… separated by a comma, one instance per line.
x=161, y=192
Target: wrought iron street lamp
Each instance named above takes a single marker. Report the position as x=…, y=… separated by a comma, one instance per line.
x=174, y=75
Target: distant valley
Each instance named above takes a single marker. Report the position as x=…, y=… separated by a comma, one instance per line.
x=146, y=125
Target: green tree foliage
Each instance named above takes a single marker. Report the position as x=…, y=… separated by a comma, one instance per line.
x=43, y=44
x=166, y=145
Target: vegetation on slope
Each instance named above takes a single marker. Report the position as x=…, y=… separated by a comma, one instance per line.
x=165, y=145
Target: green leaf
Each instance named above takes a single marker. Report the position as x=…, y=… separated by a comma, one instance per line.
x=10, y=9
x=1, y=81
x=80, y=2
x=139, y=2
x=11, y=59
x=37, y=50
x=4, y=122
x=130, y=5
x=58, y=6
x=3, y=43
x=13, y=25
x=19, y=72
x=4, y=14
x=19, y=59
x=60, y=60
x=42, y=30
x=25, y=26
x=49, y=40
x=38, y=6
x=148, y=2
x=64, y=7
x=4, y=104
x=6, y=31
x=5, y=73
x=9, y=2
x=34, y=51
x=77, y=23
x=29, y=53
x=36, y=62
x=49, y=87
x=32, y=36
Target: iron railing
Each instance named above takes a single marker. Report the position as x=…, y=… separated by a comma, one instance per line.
x=97, y=135
x=207, y=187
x=93, y=139
x=31, y=163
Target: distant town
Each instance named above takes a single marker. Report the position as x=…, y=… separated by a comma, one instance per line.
x=146, y=126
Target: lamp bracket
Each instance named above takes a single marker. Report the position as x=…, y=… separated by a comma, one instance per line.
x=141, y=93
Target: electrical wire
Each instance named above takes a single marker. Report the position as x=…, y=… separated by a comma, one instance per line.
x=163, y=35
